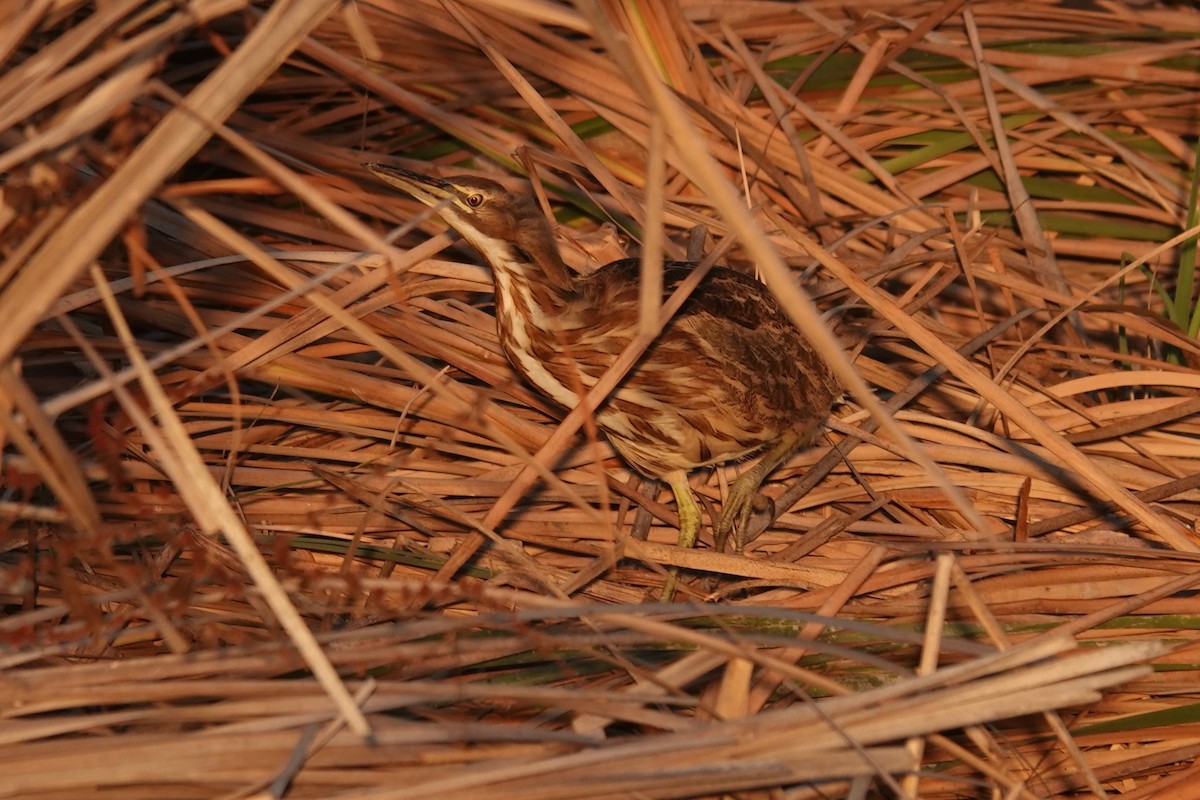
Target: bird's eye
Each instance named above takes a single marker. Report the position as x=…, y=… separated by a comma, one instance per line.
x=474, y=200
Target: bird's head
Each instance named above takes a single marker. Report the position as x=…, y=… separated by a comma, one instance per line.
x=506, y=227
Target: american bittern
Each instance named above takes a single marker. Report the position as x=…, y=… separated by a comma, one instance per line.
x=728, y=376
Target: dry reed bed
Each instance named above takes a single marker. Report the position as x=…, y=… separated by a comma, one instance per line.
x=235, y=414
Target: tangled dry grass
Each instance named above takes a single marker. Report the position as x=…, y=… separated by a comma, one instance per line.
x=253, y=403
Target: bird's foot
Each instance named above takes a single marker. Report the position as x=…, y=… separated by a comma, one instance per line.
x=689, y=526
x=741, y=508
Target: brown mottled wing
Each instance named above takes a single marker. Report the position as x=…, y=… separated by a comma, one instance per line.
x=730, y=345
x=771, y=369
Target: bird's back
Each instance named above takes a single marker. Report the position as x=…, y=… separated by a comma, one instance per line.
x=728, y=375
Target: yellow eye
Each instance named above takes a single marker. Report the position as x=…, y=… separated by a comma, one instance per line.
x=474, y=200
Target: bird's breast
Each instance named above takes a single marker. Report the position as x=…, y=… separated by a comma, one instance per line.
x=525, y=322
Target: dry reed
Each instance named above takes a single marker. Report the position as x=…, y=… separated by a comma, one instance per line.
x=253, y=404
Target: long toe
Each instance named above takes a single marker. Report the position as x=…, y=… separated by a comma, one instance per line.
x=735, y=516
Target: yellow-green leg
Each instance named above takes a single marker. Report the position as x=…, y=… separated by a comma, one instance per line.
x=689, y=523
x=735, y=516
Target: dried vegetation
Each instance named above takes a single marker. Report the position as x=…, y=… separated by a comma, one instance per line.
x=252, y=403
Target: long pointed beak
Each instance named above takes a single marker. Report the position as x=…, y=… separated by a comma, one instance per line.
x=429, y=190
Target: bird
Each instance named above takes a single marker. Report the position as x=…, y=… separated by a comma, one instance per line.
x=729, y=375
